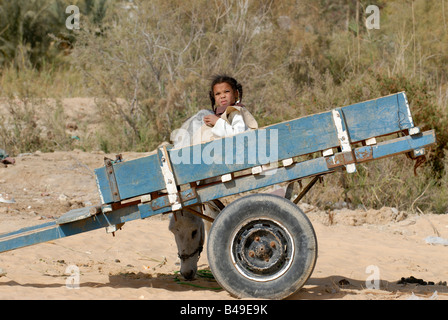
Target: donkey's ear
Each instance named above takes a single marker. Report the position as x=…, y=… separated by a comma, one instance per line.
x=202, y=240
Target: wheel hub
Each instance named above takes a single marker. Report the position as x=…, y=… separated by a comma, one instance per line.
x=262, y=250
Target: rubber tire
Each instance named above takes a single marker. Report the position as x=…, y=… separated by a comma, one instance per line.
x=233, y=217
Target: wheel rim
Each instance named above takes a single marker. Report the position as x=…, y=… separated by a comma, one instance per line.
x=262, y=249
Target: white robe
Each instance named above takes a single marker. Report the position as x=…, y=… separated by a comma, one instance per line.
x=223, y=129
x=234, y=120
x=194, y=131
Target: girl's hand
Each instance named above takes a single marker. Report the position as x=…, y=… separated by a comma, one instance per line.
x=210, y=120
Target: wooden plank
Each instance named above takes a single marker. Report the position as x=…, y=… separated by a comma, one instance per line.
x=253, y=182
x=78, y=214
x=26, y=239
x=133, y=177
x=143, y=174
x=27, y=230
x=52, y=231
x=377, y=117
x=103, y=185
x=344, y=139
x=402, y=144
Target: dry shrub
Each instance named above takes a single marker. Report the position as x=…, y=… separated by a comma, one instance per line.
x=31, y=124
x=148, y=67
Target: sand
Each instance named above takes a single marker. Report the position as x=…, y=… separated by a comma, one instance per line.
x=140, y=261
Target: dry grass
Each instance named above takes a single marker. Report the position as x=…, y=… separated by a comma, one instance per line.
x=149, y=69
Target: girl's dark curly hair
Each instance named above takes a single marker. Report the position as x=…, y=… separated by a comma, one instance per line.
x=227, y=79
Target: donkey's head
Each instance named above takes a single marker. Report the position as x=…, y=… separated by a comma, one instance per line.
x=188, y=231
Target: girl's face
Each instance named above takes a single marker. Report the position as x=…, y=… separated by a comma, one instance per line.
x=224, y=94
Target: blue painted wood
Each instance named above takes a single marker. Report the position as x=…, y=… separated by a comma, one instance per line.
x=26, y=239
x=403, y=144
x=132, y=177
x=75, y=214
x=51, y=231
x=297, y=137
x=27, y=229
x=377, y=117
x=280, y=141
x=314, y=167
x=288, y=139
x=103, y=185
x=297, y=171
x=143, y=173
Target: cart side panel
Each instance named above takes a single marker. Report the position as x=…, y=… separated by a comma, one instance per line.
x=142, y=174
x=313, y=167
x=133, y=178
x=378, y=117
x=245, y=150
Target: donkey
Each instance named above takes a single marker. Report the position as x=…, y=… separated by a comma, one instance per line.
x=189, y=232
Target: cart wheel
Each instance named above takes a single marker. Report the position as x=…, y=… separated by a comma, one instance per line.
x=262, y=246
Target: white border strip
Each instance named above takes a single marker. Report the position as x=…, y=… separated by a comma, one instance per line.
x=411, y=121
x=343, y=138
x=170, y=182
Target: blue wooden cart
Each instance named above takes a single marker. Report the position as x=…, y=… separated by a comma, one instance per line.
x=259, y=245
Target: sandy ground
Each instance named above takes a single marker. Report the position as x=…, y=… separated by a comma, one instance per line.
x=141, y=262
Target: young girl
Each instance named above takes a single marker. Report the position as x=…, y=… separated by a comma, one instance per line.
x=230, y=116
